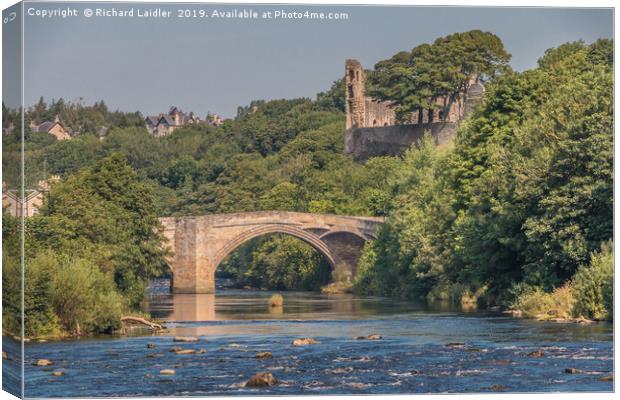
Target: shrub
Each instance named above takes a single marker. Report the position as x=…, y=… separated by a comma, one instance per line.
x=84, y=298
x=593, y=285
x=39, y=317
x=534, y=302
x=276, y=300
x=11, y=300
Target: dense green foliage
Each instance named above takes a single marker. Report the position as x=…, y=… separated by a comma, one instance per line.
x=88, y=255
x=593, y=285
x=84, y=123
x=442, y=70
x=524, y=196
x=515, y=208
x=275, y=155
x=279, y=262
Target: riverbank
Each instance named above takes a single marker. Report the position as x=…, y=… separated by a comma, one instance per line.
x=549, y=318
x=127, y=322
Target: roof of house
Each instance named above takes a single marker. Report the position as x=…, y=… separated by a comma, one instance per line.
x=168, y=119
x=152, y=119
x=46, y=126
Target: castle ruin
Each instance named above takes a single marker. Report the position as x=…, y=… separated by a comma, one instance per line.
x=371, y=128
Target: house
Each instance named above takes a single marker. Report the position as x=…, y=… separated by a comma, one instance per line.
x=33, y=201
x=214, y=120
x=9, y=129
x=164, y=124
x=102, y=132
x=55, y=128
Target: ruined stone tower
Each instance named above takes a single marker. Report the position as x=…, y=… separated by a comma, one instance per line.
x=363, y=111
x=354, y=95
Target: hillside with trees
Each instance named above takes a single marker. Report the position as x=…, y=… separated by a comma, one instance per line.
x=522, y=201
x=516, y=211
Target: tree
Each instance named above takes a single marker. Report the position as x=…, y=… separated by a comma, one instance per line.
x=108, y=211
x=286, y=263
x=334, y=98
x=443, y=70
x=523, y=199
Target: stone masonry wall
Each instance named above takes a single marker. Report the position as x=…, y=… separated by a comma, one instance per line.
x=364, y=143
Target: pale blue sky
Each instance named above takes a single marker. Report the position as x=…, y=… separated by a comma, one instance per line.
x=216, y=65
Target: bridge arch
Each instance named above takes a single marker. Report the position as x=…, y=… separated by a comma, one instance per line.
x=308, y=237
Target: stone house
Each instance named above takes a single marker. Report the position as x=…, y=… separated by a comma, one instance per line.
x=54, y=128
x=165, y=124
x=33, y=201
x=214, y=120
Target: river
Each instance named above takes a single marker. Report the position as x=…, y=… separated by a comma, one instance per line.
x=413, y=356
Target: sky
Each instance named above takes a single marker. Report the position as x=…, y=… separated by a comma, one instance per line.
x=215, y=65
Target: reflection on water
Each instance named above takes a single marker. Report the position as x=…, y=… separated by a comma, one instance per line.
x=185, y=307
x=236, y=304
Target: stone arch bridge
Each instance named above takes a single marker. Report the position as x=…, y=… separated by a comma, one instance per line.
x=200, y=244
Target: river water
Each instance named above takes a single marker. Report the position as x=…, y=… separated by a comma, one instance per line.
x=413, y=356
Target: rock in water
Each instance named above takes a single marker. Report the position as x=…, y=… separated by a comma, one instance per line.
x=536, y=354
x=374, y=336
x=262, y=379
x=264, y=355
x=606, y=378
x=573, y=371
x=43, y=362
x=58, y=373
x=167, y=372
x=150, y=345
x=455, y=345
x=185, y=339
x=304, y=342
x=185, y=351
x=498, y=388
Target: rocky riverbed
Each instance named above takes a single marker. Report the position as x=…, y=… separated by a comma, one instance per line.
x=350, y=345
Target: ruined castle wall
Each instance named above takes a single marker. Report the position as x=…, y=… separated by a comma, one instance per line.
x=378, y=114
x=394, y=140
x=371, y=128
